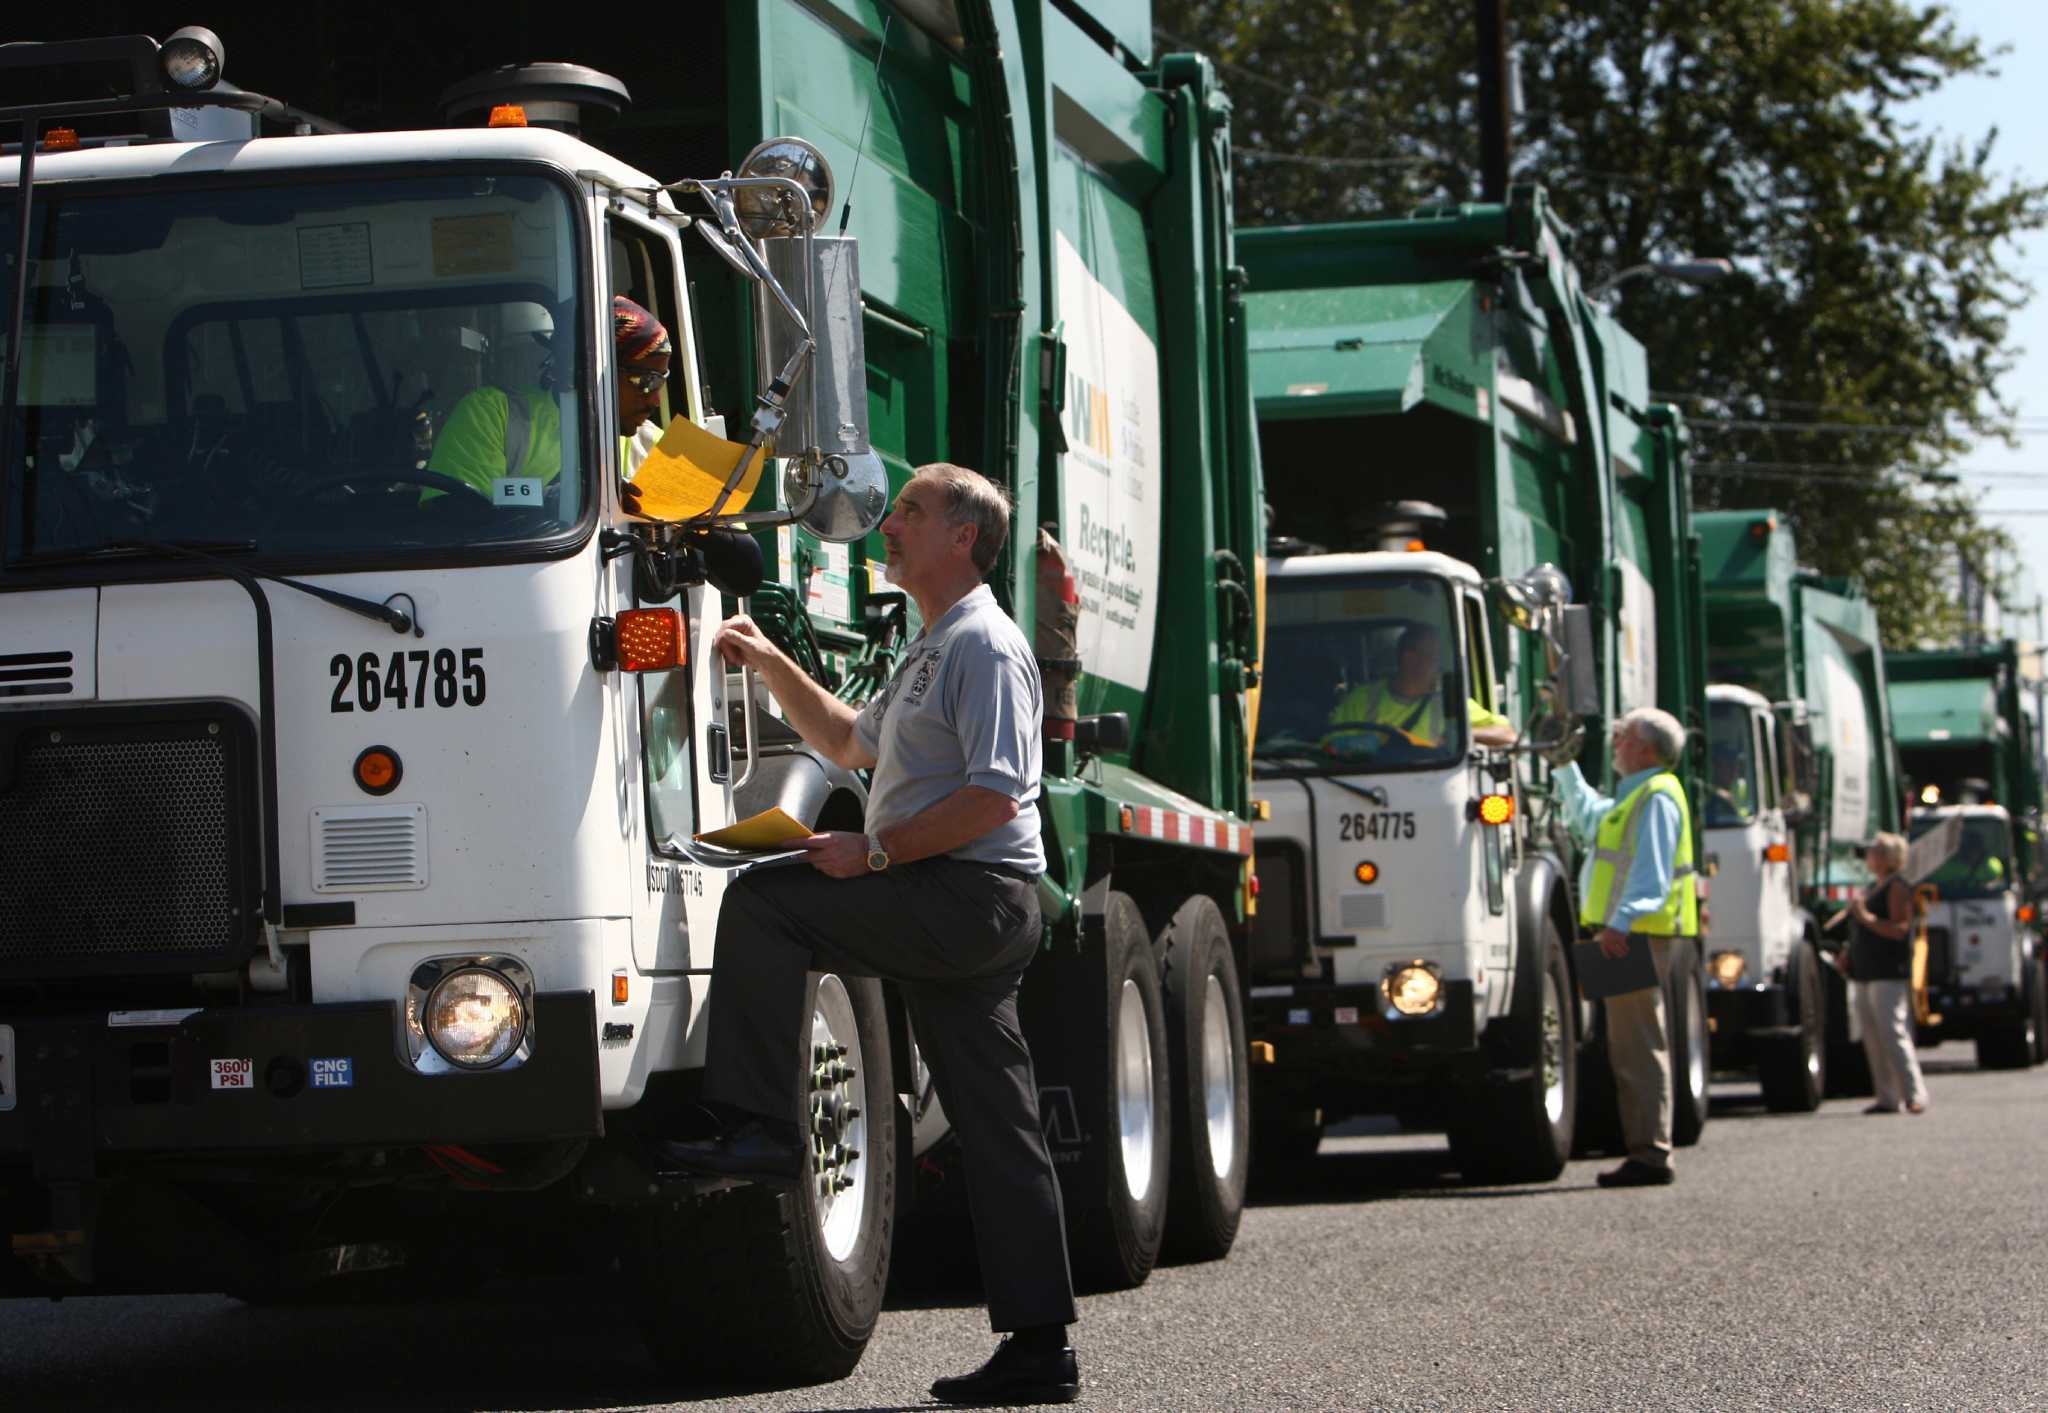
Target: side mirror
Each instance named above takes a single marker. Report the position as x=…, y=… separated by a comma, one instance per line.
x=1097, y=735
x=835, y=484
x=1578, y=681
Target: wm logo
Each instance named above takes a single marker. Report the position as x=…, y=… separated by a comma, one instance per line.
x=1058, y=1119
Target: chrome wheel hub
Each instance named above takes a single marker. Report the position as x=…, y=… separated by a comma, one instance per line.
x=1134, y=1090
x=838, y=1127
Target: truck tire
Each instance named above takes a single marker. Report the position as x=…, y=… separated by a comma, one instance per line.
x=1211, y=1083
x=1848, y=1067
x=1792, y=1070
x=759, y=1286
x=1685, y=1007
x=2013, y=1044
x=1114, y=1228
x=2039, y=976
x=1520, y=1129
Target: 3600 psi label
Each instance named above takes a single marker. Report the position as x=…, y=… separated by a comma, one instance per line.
x=234, y=1074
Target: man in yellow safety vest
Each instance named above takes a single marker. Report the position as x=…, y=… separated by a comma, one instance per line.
x=1638, y=882
x=1409, y=702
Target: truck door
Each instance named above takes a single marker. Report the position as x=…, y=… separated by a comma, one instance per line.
x=1496, y=844
x=1778, y=906
x=677, y=780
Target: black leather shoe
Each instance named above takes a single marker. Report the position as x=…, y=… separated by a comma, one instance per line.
x=1634, y=1174
x=750, y=1151
x=1014, y=1375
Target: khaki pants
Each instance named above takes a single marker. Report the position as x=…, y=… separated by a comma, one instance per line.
x=1639, y=1050
x=1884, y=1013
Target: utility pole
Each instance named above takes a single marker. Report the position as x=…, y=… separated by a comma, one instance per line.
x=1490, y=19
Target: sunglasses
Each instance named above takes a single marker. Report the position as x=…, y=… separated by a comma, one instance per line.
x=649, y=383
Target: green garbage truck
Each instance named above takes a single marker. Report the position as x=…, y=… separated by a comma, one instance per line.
x=1968, y=749
x=353, y=920
x=1488, y=559
x=1801, y=772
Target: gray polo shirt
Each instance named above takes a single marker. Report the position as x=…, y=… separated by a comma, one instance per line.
x=964, y=708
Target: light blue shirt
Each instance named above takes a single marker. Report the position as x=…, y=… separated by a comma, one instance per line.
x=1649, y=873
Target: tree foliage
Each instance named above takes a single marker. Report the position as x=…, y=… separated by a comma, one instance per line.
x=1861, y=346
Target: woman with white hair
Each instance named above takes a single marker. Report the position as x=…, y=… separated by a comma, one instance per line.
x=1879, y=961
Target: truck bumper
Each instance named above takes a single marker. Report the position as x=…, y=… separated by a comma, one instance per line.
x=1964, y=1012
x=1740, y=1017
x=86, y=1089
x=1343, y=1031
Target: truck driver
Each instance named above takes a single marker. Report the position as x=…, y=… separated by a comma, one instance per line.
x=1409, y=701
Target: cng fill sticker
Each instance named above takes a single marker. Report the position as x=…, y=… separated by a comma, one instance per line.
x=337, y=1073
x=234, y=1074
x=1345, y=1015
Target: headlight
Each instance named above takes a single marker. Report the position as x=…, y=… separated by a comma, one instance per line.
x=1725, y=969
x=1412, y=989
x=475, y=1018
x=192, y=59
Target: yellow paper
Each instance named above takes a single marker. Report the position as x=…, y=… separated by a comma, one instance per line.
x=770, y=829
x=688, y=467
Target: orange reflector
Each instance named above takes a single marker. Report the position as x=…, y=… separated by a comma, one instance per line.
x=1127, y=819
x=1760, y=530
x=1777, y=853
x=507, y=115
x=650, y=640
x=1366, y=872
x=1259, y=1052
x=1496, y=809
x=1252, y=886
x=621, y=988
x=378, y=770
x=61, y=140
x=1414, y=546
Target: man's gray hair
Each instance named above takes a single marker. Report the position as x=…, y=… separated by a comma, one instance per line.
x=1659, y=730
x=971, y=498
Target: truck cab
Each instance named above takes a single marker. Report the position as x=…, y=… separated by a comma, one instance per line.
x=1983, y=965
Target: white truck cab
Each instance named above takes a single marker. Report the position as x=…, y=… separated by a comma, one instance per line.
x=1983, y=942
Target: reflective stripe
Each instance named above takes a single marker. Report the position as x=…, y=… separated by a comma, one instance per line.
x=1678, y=913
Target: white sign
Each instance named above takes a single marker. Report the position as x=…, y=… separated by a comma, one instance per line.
x=234, y=1074
x=518, y=490
x=1638, y=639
x=1849, y=738
x=1110, y=484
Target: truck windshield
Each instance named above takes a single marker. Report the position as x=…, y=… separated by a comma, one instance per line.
x=1361, y=671
x=329, y=368
x=1980, y=866
x=1732, y=790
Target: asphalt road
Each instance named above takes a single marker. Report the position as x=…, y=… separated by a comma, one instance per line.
x=1823, y=1261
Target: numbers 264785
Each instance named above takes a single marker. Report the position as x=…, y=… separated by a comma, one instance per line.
x=402, y=680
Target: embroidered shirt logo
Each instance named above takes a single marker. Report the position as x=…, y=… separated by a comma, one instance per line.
x=927, y=669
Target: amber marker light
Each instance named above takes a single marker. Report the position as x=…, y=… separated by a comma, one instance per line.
x=507, y=115
x=61, y=140
x=650, y=640
x=378, y=770
x=1496, y=810
x=622, y=988
x=2026, y=913
x=1777, y=853
x=1416, y=547
x=1366, y=872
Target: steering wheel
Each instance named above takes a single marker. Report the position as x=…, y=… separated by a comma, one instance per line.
x=1389, y=733
x=427, y=480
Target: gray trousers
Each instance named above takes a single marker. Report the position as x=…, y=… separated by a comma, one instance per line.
x=1639, y=1049
x=955, y=937
x=1884, y=1013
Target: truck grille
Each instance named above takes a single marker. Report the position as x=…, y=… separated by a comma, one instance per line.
x=122, y=841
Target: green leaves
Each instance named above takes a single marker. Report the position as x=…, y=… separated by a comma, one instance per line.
x=1861, y=348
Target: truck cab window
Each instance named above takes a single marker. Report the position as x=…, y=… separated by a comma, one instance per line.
x=1731, y=781
x=365, y=368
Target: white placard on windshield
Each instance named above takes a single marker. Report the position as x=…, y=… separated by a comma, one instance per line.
x=331, y=256
x=517, y=490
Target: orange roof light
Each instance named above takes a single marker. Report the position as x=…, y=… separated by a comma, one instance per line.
x=507, y=115
x=378, y=770
x=61, y=140
x=650, y=640
x=1760, y=530
x=1416, y=546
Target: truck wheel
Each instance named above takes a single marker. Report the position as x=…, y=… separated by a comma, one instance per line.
x=1793, y=1070
x=1211, y=1084
x=1686, y=1011
x=757, y=1285
x=2039, y=976
x=1114, y=1229
x=1520, y=1130
x=2010, y=1045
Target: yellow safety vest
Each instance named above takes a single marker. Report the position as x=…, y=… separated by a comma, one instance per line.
x=1614, y=853
x=1374, y=704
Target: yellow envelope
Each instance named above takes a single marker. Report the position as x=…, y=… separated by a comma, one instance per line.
x=770, y=829
x=688, y=467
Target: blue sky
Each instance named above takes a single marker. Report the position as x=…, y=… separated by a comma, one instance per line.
x=2011, y=102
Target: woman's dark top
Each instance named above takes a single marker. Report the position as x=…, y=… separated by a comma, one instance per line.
x=1875, y=958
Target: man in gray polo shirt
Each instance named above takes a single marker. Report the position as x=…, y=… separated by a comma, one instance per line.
x=938, y=895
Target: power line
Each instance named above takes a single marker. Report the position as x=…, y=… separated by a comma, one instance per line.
x=1268, y=155
x=1849, y=429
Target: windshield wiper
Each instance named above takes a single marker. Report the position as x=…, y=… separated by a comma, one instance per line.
x=210, y=552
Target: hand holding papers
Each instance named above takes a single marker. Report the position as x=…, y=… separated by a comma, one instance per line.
x=765, y=838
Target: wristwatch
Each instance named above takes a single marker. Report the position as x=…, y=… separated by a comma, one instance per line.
x=878, y=857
